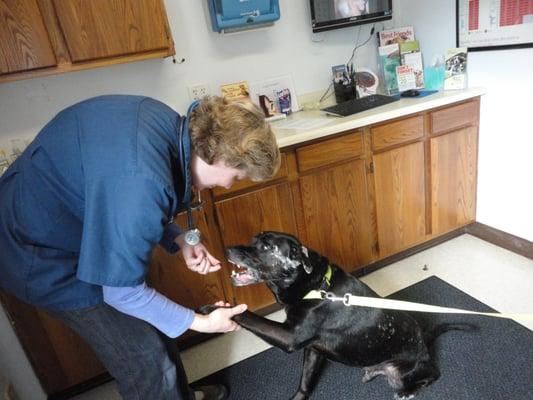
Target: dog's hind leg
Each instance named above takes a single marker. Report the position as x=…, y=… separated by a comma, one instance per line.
x=313, y=361
x=422, y=374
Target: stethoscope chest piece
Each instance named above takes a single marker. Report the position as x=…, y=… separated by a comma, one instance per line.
x=193, y=236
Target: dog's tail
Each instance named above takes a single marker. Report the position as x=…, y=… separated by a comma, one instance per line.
x=430, y=336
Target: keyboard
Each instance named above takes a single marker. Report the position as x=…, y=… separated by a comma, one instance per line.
x=357, y=105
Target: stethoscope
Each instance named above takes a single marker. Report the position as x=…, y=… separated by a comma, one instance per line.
x=192, y=235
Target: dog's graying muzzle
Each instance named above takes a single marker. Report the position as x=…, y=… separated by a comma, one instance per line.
x=374, y=302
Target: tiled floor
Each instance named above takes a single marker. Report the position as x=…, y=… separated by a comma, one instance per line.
x=494, y=276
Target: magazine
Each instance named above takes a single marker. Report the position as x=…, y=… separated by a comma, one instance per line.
x=235, y=91
x=396, y=35
x=389, y=59
x=406, y=78
x=455, y=76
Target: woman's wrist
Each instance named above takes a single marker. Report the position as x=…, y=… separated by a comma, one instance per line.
x=200, y=323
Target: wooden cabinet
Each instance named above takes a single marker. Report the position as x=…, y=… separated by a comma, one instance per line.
x=42, y=37
x=453, y=168
x=24, y=41
x=335, y=200
x=400, y=197
x=243, y=216
x=59, y=357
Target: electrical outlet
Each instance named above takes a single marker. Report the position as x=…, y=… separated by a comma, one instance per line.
x=198, y=92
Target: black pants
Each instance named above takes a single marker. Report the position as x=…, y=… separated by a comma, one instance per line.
x=145, y=363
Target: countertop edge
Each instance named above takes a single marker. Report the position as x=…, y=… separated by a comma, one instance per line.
x=405, y=106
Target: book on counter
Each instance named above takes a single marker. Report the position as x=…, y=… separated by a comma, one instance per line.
x=389, y=59
x=396, y=35
x=455, y=76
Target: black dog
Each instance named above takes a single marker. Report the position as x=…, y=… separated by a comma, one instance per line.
x=384, y=342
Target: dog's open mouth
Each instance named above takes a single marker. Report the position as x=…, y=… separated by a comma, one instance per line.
x=242, y=276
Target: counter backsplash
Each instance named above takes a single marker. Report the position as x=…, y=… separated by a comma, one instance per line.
x=10, y=150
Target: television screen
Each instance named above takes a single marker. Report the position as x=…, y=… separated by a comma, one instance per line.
x=333, y=14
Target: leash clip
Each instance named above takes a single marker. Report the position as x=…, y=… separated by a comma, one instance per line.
x=330, y=296
x=346, y=299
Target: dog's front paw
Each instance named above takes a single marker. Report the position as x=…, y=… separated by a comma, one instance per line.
x=207, y=309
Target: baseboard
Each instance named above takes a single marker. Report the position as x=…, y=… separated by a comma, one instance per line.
x=502, y=239
x=407, y=253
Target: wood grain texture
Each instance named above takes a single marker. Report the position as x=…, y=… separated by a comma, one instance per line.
x=400, y=197
x=337, y=214
x=108, y=28
x=455, y=117
x=54, y=32
x=329, y=151
x=242, y=217
x=453, y=179
x=397, y=132
x=24, y=41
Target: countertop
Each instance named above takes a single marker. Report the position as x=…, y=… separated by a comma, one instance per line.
x=319, y=126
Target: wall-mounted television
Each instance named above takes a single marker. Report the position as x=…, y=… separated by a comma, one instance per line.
x=334, y=14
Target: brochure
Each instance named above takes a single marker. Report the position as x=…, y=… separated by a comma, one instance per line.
x=389, y=59
x=406, y=78
x=455, y=76
x=414, y=60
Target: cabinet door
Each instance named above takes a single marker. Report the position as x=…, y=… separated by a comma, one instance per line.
x=337, y=214
x=400, y=197
x=24, y=42
x=240, y=218
x=59, y=357
x=108, y=28
x=453, y=179
x=170, y=276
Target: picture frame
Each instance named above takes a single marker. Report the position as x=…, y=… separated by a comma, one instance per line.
x=493, y=24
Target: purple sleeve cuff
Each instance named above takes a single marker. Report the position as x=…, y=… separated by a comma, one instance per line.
x=146, y=303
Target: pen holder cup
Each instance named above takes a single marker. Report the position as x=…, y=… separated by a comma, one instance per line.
x=344, y=92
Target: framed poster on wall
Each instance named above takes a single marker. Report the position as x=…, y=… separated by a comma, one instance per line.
x=494, y=24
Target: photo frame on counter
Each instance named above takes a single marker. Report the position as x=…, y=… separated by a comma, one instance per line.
x=494, y=24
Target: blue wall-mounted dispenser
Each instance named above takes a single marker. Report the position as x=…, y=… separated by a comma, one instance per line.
x=237, y=15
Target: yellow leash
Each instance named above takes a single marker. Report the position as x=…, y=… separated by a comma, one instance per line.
x=351, y=300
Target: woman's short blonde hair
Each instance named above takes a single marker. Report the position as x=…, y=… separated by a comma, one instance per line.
x=237, y=133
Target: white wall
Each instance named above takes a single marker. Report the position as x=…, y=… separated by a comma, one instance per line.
x=505, y=192
x=287, y=48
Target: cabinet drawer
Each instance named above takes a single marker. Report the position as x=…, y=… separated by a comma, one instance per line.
x=330, y=151
x=397, y=132
x=454, y=117
x=245, y=184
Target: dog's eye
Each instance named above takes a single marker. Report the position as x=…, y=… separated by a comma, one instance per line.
x=264, y=247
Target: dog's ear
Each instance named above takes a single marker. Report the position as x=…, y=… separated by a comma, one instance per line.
x=305, y=260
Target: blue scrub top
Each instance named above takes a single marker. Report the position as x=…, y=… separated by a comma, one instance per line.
x=87, y=201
